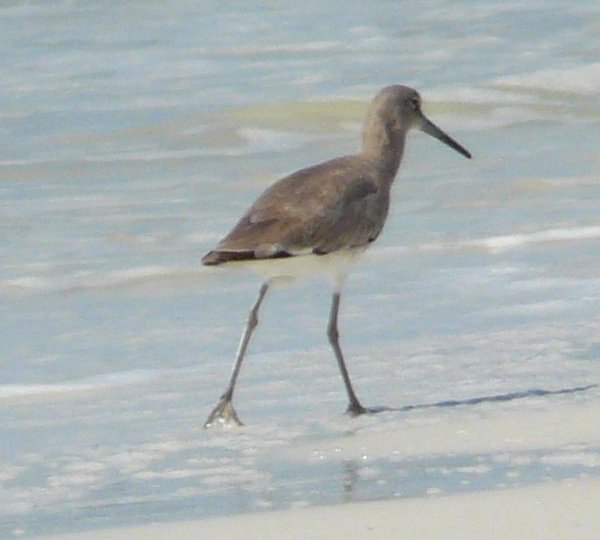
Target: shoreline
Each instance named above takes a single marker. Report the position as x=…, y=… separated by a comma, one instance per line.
x=554, y=511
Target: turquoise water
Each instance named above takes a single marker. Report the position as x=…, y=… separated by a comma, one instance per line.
x=133, y=135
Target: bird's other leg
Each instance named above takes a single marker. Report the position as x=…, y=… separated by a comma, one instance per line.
x=224, y=413
x=354, y=406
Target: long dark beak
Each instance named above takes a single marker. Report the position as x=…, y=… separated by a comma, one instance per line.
x=430, y=128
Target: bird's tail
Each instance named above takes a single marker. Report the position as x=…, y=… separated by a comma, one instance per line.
x=215, y=257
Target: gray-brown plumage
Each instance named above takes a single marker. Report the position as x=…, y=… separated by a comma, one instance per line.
x=331, y=206
x=335, y=207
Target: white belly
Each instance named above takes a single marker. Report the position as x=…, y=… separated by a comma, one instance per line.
x=333, y=266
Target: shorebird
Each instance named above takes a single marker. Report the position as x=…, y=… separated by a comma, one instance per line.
x=318, y=219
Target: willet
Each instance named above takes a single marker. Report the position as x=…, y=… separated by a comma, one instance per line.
x=319, y=218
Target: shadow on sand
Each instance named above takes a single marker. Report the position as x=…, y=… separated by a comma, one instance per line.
x=534, y=392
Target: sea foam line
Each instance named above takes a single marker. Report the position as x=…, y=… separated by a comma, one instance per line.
x=584, y=79
x=496, y=244
x=86, y=384
x=94, y=280
x=510, y=241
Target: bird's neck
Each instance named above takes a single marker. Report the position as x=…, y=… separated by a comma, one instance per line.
x=385, y=146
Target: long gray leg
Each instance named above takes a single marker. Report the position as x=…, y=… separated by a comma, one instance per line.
x=224, y=412
x=354, y=406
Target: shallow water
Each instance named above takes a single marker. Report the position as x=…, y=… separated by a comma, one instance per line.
x=133, y=137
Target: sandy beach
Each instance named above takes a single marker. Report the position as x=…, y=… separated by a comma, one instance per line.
x=550, y=510
x=554, y=511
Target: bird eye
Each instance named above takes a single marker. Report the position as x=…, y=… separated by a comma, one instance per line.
x=414, y=104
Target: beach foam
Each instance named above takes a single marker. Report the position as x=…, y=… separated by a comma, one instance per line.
x=584, y=79
x=76, y=387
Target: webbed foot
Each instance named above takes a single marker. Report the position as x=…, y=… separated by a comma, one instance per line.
x=223, y=414
x=356, y=409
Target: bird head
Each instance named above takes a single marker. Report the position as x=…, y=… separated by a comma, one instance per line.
x=399, y=109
